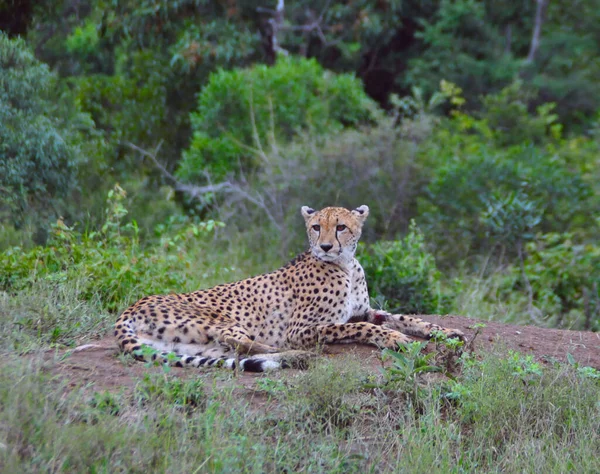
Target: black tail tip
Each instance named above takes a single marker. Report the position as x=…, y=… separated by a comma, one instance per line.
x=253, y=365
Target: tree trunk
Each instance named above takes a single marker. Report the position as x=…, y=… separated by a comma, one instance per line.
x=537, y=29
x=508, y=39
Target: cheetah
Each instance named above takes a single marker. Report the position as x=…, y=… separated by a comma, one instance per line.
x=273, y=320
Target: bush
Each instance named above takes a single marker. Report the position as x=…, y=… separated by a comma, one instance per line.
x=561, y=278
x=243, y=110
x=507, y=116
x=110, y=265
x=485, y=198
x=373, y=166
x=37, y=156
x=404, y=273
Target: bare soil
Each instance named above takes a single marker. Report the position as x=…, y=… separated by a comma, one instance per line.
x=97, y=363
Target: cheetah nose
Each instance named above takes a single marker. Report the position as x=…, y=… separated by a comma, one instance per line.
x=326, y=247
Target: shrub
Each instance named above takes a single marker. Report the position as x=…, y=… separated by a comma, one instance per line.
x=129, y=107
x=110, y=265
x=486, y=197
x=506, y=114
x=37, y=157
x=404, y=273
x=561, y=278
x=373, y=166
x=242, y=110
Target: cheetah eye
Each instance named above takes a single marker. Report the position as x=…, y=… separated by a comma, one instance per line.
x=316, y=227
x=340, y=227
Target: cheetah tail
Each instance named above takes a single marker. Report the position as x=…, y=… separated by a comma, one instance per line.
x=248, y=364
x=129, y=343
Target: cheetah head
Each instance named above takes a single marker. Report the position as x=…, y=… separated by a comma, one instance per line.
x=333, y=232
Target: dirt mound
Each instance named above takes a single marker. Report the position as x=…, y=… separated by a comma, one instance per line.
x=97, y=363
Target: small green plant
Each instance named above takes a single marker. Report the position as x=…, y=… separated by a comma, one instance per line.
x=583, y=371
x=273, y=387
x=107, y=403
x=524, y=367
x=408, y=364
x=448, y=350
x=185, y=394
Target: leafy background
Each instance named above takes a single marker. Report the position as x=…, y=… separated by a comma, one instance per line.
x=475, y=146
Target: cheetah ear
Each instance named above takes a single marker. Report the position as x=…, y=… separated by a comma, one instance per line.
x=307, y=212
x=361, y=212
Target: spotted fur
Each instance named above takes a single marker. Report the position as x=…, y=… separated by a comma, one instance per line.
x=270, y=321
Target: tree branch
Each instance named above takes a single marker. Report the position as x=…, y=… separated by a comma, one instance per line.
x=537, y=29
x=196, y=192
x=277, y=25
x=508, y=39
x=534, y=312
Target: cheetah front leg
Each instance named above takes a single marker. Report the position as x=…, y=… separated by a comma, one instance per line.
x=364, y=332
x=410, y=325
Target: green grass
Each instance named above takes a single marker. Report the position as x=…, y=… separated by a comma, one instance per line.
x=502, y=413
x=47, y=315
x=494, y=418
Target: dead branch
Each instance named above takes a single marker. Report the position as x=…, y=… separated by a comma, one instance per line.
x=537, y=29
x=534, y=313
x=277, y=25
x=233, y=191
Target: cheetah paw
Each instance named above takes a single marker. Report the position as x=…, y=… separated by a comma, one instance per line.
x=457, y=333
x=297, y=359
x=394, y=340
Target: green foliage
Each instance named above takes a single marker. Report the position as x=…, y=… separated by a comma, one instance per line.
x=488, y=197
x=510, y=218
x=189, y=394
x=407, y=363
x=583, y=371
x=563, y=277
x=106, y=402
x=524, y=367
x=506, y=114
x=372, y=165
x=515, y=391
x=37, y=153
x=241, y=112
x=404, y=273
x=321, y=398
x=47, y=314
x=460, y=45
x=318, y=422
x=111, y=264
x=568, y=62
x=130, y=106
x=84, y=39
x=216, y=43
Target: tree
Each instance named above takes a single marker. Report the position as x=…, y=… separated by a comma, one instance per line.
x=37, y=160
